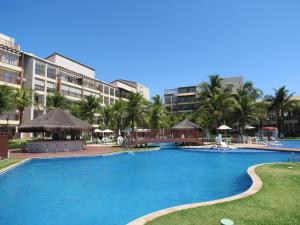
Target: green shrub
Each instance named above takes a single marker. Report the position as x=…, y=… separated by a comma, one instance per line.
x=16, y=143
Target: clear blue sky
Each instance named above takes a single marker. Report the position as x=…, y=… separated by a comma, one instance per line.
x=165, y=43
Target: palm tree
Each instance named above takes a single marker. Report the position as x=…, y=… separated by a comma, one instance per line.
x=22, y=99
x=158, y=114
x=56, y=100
x=281, y=103
x=214, y=84
x=215, y=103
x=107, y=116
x=247, y=109
x=119, y=114
x=136, y=109
x=6, y=94
x=89, y=106
x=75, y=110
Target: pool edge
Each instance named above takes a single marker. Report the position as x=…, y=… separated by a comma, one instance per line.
x=10, y=167
x=254, y=188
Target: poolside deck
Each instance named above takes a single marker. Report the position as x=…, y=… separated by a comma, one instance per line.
x=262, y=147
x=89, y=150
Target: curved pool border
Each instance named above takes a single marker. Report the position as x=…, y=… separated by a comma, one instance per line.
x=12, y=166
x=254, y=188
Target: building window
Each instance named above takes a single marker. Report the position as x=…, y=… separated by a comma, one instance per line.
x=101, y=99
x=70, y=78
x=9, y=58
x=112, y=100
x=39, y=85
x=39, y=69
x=106, y=90
x=112, y=92
x=89, y=85
x=9, y=77
x=88, y=93
x=70, y=91
x=51, y=87
x=51, y=73
x=106, y=100
x=100, y=88
x=187, y=90
x=39, y=100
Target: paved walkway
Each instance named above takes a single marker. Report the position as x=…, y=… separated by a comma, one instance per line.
x=258, y=146
x=92, y=150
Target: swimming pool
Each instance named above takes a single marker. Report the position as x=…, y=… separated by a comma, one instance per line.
x=290, y=144
x=113, y=190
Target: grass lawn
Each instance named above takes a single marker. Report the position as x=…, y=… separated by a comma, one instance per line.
x=277, y=203
x=7, y=162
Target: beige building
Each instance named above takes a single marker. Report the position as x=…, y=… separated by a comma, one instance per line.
x=56, y=72
x=11, y=73
x=75, y=81
x=183, y=99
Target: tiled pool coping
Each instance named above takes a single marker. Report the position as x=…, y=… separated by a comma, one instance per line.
x=12, y=166
x=255, y=187
x=256, y=147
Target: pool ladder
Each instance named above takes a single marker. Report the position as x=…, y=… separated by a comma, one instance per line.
x=292, y=157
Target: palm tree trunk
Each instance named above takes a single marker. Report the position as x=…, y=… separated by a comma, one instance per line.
x=132, y=124
x=21, y=112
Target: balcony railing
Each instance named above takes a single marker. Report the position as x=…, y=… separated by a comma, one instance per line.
x=50, y=89
x=9, y=116
x=51, y=76
x=10, y=61
x=70, y=93
x=13, y=79
x=9, y=44
x=90, y=86
x=39, y=87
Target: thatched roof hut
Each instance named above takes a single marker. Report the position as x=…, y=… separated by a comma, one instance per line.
x=55, y=121
x=186, y=125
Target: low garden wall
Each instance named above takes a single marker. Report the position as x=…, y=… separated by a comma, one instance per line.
x=54, y=146
x=3, y=146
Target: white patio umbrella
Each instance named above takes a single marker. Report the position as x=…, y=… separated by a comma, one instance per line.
x=98, y=131
x=107, y=131
x=248, y=127
x=224, y=127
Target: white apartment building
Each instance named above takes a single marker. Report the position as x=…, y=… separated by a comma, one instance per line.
x=75, y=81
x=11, y=73
x=54, y=73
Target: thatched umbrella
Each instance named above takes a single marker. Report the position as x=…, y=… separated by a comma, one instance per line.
x=55, y=121
x=186, y=129
x=186, y=125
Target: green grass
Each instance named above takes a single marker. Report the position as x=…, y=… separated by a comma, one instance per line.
x=277, y=203
x=7, y=162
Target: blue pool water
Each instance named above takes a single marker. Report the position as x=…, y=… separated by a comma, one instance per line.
x=290, y=144
x=113, y=190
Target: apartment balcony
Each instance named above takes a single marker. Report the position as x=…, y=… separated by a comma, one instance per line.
x=9, y=44
x=9, y=78
x=39, y=87
x=51, y=89
x=9, y=116
x=51, y=76
x=71, y=94
x=186, y=94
